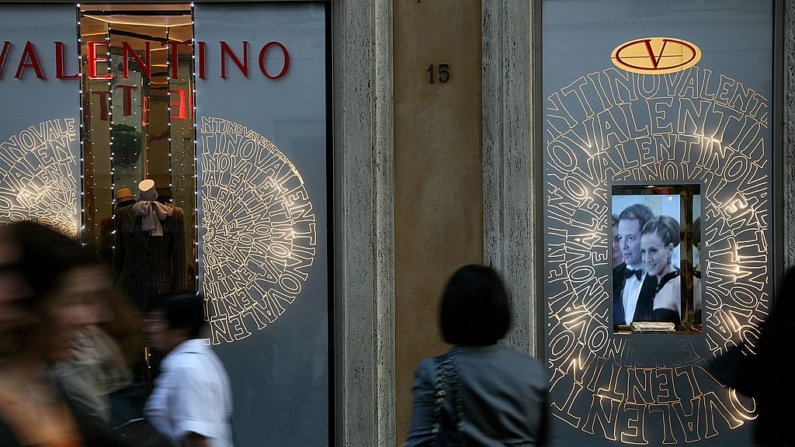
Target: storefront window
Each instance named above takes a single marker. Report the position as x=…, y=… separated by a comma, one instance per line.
x=658, y=115
x=220, y=113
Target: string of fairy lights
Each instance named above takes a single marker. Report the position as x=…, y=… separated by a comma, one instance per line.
x=110, y=124
x=195, y=135
x=95, y=189
x=81, y=118
x=87, y=165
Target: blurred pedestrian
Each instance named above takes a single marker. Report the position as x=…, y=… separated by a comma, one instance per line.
x=774, y=389
x=98, y=367
x=766, y=376
x=34, y=409
x=14, y=293
x=192, y=399
x=478, y=393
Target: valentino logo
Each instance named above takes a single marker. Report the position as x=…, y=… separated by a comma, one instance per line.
x=656, y=55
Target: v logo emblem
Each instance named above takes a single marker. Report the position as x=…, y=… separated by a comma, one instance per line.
x=655, y=58
x=656, y=55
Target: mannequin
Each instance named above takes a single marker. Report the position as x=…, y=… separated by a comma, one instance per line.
x=149, y=258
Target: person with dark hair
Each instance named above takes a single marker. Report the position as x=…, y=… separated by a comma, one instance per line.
x=486, y=394
x=633, y=289
x=35, y=408
x=770, y=381
x=659, y=238
x=766, y=376
x=192, y=399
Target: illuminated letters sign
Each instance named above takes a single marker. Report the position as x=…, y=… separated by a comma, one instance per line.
x=656, y=55
x=29, y=59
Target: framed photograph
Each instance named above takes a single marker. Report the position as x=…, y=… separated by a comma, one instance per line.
x=656, y=262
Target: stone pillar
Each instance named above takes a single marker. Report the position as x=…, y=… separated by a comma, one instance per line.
x=512, y=191
x=363, y=223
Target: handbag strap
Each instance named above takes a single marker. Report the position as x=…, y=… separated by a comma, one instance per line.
x=446, y=375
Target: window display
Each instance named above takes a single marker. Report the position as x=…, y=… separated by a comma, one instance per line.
x=190, y=145
x=656, y=116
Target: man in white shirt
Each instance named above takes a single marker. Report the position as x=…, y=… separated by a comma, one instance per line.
x=633, y=289
x=192, y=399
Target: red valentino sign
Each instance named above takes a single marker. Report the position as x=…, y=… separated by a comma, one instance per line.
x=29, y=60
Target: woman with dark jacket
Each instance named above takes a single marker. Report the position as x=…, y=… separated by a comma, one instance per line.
x=492, y=395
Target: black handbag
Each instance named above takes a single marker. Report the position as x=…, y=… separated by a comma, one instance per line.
x=128, y=420
x=448, y=430
x=140, y=433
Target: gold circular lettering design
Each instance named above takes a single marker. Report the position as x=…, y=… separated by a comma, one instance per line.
x=620, y=386
x=258, y=230
x=38, y=175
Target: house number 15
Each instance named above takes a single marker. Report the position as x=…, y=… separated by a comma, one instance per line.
x=443, y=70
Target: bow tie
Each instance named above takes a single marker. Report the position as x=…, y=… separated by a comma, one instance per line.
x=628, y=273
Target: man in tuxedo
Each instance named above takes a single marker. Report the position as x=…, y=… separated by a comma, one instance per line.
x=633, y=289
